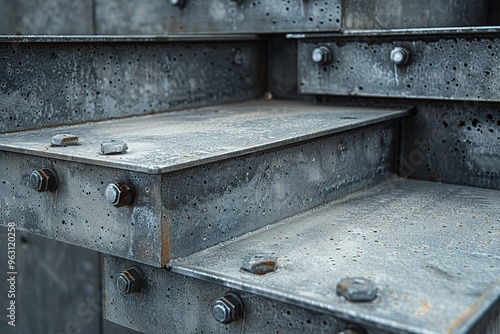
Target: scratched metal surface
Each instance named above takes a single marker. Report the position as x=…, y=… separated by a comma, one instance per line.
x=444, y=67
x=216, y=16
x=73, y=80
x=432, y=249
x=172, y=141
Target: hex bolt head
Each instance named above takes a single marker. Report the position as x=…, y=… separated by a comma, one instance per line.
x=260, y=264
x=400, y=56
x=227, y=309
x=321, y=55
x=43, y=180
x=130, y=280
x=357, y=289
x=113, y=146
x=120, y=193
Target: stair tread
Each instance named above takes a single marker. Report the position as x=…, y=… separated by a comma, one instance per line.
x=176, y=140
x=432, y=249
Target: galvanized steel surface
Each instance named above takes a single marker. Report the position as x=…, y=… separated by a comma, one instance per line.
x=431, y=249
x=213, y=203
x=187, y=210
x=172, y=303
x=384, y=14
x=42, y=17
x=58, y=288
x=48, y=84
x=453, y=143
x=78, y=212
x=448, y=68
x=173, y=141
x=125, y=17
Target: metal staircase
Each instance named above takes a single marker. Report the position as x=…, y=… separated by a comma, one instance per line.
x=258, y=167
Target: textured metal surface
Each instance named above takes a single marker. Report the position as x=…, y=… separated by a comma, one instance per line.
x=448, y=68
x=35, y=17
x=216, y=202
x=58, y=288
x=78, y=212
x=453, y=143
x=431, y=249
x=216, y=16
x=173, y=141
x=383, y=14
x=47, y=84
x=186, y=210
x=173, y=303
x=52, y=284
x=407, y=32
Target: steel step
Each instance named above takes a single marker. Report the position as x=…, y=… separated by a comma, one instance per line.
x=201, y=176
x=432, y=251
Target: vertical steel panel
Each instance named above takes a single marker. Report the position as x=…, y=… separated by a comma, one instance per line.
x=385, y=14
x=158, y=17
x=49, y=17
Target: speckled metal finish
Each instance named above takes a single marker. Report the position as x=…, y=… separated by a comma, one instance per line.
x=431, y=250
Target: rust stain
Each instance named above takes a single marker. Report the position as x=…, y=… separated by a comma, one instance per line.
x=426, y=306
x=467, y=314
x=166, y=229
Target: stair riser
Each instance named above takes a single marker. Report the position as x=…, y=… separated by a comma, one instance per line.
x=179, y=213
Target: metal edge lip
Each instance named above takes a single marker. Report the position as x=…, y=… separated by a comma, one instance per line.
x=485, y=302
x=284, y=296
x=400, y=32
x=125, y=38
x=155, y=169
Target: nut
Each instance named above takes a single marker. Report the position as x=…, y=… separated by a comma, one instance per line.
x=120, y=193
x=321, y=55
x=43, y=180
x=260, y=264
x=113, y=146
x=227, y=309
x=400, y=56
x=357, y=289
x=64, y=140
x=130, y=280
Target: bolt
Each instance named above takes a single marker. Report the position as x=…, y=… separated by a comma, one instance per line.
x=239, y=57
x=43, y=180
x=228, y=308
x=113, y=146
x=120, y=193
x=321, y=55
x=64, y=140
x=260, y=264
x=130, y=280
x=268, y=96
x=357, y=289
x=400, y=56
x=178, y=3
